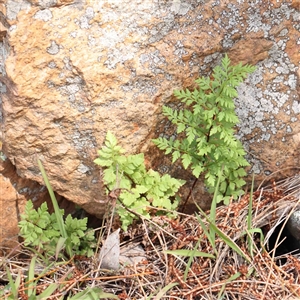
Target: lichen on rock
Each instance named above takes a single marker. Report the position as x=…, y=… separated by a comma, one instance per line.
x=82, y=68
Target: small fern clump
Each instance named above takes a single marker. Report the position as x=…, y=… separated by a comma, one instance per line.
x=207, y=124
x=140, y=189
x=40, y=230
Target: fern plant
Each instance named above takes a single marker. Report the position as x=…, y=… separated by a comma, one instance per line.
x=207, y=125
x=40, y=230
x=139, y=189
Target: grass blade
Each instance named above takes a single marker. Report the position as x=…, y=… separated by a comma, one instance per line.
x=93, y=294
x=231, y=278
x=189, y=253
x=230, y=242
x=59, y=246
x=103, y=295
x=194, y=253
x=164, y=290
x=213, y=208
x=206, y=232
x=249, y=219
x=30, y=279
x=255, y=230
x=48, y=291
x=58, y=215
x=14, y=285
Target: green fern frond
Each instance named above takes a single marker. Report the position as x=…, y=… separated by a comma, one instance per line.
x=207, y=125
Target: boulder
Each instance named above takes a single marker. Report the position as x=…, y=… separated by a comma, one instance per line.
x=76, y=69
x=293, y=225
x=10, y=205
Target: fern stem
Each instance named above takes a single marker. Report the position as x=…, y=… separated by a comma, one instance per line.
x=189, y=195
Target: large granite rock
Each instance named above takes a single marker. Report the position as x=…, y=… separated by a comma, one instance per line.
x=10, y=205
x=293, y=225
x=75, y=69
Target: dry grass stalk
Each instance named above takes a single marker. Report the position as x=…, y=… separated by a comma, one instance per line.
x=229, y=275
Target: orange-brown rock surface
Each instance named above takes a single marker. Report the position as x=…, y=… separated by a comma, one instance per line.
x=10, y=204
x=80, y=68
